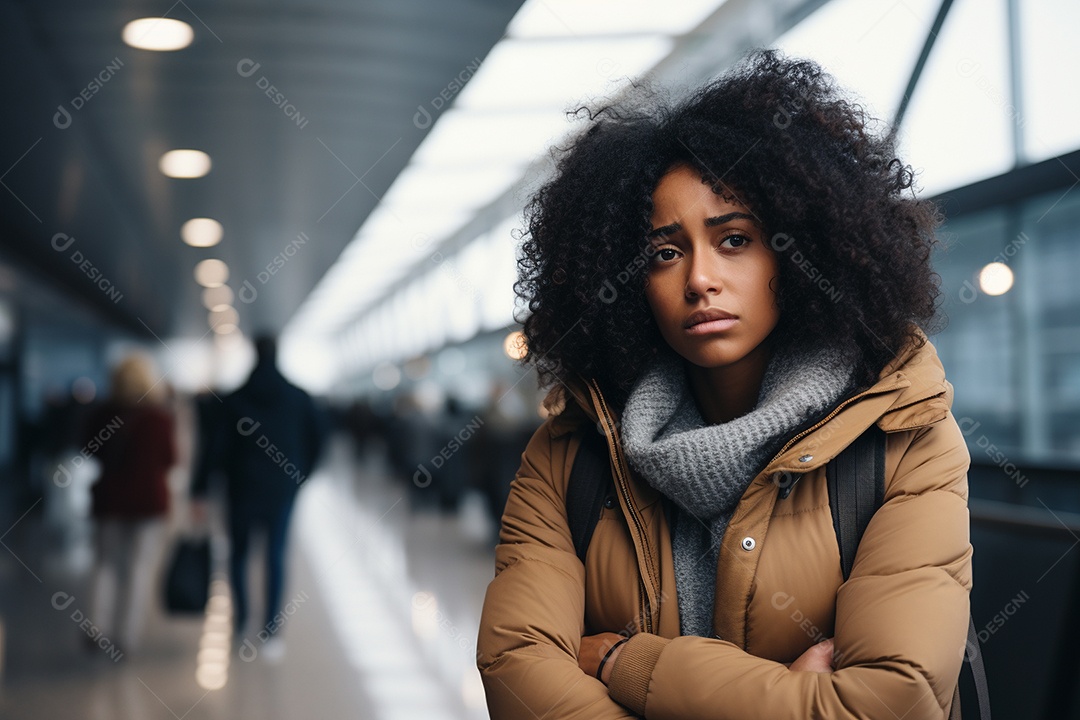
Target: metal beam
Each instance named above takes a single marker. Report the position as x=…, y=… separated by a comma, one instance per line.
x=920, y=64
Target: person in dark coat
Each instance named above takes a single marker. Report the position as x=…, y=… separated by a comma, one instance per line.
x=265, y=438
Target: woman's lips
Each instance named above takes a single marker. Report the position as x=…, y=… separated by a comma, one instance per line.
x=712, y=326
x=709, y=320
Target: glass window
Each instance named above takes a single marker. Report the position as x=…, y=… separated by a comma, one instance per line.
x=977, y=346
x=1052, y=224
x=1014, y=358
x=957, y=129
x=1051, y=57
x=870, y=48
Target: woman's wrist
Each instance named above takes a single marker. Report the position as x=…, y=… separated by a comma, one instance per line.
x=603, y=670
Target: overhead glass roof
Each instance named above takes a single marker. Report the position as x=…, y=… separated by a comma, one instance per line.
x=997, y=91
x=958, y=128
x=870, y=48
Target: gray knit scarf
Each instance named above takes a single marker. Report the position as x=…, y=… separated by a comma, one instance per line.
x=705, y=468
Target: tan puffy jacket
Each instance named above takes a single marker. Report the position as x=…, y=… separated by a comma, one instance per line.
x=899, y=622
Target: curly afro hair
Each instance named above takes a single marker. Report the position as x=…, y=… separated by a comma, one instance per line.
x=853, y=241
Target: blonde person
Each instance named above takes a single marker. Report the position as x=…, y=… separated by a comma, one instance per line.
x=731, y=291
x=132, y=435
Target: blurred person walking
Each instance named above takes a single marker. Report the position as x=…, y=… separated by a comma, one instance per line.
x=132, y=435
x=265, y=438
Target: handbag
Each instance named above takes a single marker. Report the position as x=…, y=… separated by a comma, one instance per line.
x=187, y=582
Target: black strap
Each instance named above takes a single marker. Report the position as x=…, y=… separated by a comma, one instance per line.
x=590, y=478
x=856, y=482
x=973, y=655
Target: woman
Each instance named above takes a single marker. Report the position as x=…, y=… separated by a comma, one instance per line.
x=732, y=291
x=132, y=435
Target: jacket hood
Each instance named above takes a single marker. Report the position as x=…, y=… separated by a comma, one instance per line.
x=924, y=397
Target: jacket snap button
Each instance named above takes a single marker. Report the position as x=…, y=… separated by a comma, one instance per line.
x=609, y=502
x=806, y=458
x=748, y=543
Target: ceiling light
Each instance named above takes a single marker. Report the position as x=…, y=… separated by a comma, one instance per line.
x=227, y=315
x=184, y=163
x=214, y=298
x=996, y=279
x=201, y=232
x=158, y=33
x=211, y=273
x=514, y=345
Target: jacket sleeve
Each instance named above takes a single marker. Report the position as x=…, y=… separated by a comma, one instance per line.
x=209, y=449
x=901, y=618
x=533, y=617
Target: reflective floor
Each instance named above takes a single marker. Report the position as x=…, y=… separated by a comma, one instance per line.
x=381, y=608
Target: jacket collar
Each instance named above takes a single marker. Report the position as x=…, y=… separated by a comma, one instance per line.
x=911, y=392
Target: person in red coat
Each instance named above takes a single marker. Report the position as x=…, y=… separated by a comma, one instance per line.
x=132, y=435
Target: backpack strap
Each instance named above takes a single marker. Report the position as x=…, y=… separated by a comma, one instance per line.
x=856, y=483
x=973, y=656
x=590, y=478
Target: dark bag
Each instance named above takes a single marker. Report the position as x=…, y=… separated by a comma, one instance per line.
x=187, y=583
x=856, y=484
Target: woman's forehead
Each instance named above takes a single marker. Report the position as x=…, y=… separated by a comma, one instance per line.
x=685, y=184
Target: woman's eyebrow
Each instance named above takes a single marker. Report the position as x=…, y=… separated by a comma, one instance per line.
x=728, y=217
x=664, y=230
x=709, y=222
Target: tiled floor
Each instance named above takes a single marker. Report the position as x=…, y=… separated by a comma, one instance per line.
x=382, y=608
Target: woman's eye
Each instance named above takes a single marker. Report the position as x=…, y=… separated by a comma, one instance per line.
x=735, y=241
x=666, y=254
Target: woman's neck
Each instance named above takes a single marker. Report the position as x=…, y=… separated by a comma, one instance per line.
x=728, y=392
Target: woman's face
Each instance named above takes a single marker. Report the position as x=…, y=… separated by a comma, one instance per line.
x=709, y=283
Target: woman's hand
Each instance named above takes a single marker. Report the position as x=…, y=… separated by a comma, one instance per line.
x=818, y=658
x=593, y=650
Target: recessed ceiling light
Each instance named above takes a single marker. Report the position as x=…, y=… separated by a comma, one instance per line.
x=211, y=273
x=227, y=314
x=158, y=33
x=225, y=328
x=217, y=297
x=184, y=163
x=201, y=232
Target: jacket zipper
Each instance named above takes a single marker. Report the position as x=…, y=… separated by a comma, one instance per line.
x=624, y=489
x=829, y=417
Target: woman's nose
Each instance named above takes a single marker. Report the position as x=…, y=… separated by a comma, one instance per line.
x=704, y=277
